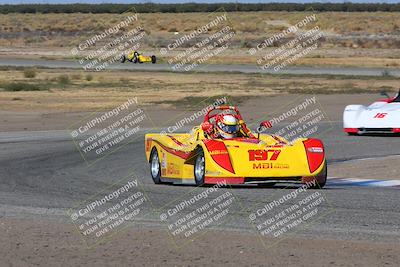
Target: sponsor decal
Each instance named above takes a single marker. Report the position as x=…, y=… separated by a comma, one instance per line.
x=218, y=152
x=265, y=165
x=257, y=155
x=380, y=115
x=173, y=169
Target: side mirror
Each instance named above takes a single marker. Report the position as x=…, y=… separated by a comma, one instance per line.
x=264, y=125
x=384, y=93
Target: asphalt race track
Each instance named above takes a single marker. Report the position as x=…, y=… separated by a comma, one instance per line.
x=207, y=68
x=43, y=174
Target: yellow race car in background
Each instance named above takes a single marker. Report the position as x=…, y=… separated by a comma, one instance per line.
x=198, y=158
x=136, y=57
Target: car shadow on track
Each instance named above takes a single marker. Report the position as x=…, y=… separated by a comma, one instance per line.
x=254, y=186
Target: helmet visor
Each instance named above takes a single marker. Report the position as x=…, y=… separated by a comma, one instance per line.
x=230, y=128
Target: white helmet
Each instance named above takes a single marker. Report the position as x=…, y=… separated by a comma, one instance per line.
x=227, y=126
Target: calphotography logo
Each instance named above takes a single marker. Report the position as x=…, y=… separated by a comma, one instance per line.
x=293, y=43
x=189, y=118
x=108, y=47
x=199, y=211
x=288, y=211
x=110, y=211
x=198, y=47
x=302, y=118
x=105, y=132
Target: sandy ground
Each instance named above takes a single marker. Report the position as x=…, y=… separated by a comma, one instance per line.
x=46, y=243
x=360, y=57
x=375, y=168
x=252, y=109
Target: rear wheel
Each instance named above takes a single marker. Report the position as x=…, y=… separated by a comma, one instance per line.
x=123, y=59
x=199, y=167
x=321, y=178
x=155, y=167
x=153, y=59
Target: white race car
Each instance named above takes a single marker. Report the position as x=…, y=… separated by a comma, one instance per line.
x=381, y=117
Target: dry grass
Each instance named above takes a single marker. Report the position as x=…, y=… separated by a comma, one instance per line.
x=71, y=29
x=242, y=22
x=108, y=89
x=53, y=35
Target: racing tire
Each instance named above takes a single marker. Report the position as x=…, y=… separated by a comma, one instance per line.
x=123, y=59
x=153, y=59
x=199, y=167
x=155, y=166
x=135, y=59
x=321, y=178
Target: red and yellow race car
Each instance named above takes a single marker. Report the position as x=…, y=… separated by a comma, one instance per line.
x=204, y=156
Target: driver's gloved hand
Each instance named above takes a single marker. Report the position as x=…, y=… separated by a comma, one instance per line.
x=207, y=127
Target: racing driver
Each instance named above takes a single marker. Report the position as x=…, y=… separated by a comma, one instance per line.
x=227, y=127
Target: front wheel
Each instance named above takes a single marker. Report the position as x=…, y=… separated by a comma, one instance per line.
x=153, y=59
x=199, y=167
x=155, y=167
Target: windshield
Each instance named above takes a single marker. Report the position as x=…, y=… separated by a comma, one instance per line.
x=397, y=98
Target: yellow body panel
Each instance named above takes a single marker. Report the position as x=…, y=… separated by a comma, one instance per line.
x=178, y=151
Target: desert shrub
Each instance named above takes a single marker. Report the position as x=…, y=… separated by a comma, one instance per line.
x=76, y=76
x=29, y=73
x=15, y=87
x=63, y=79
x=89, y=77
